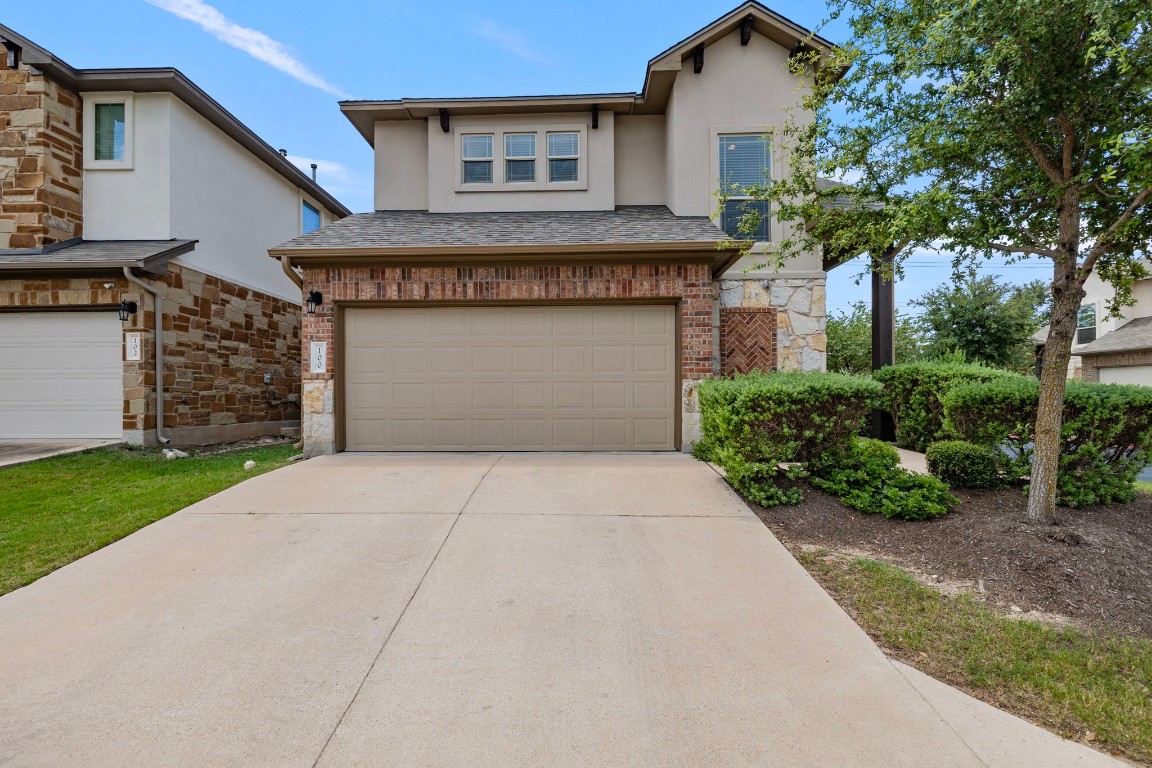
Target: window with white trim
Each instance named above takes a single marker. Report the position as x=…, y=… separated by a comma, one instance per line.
x=476, y=151
x=110, y=131
x=563, y=156
x=519, y=157
x=745, y=165
x=1086, y=323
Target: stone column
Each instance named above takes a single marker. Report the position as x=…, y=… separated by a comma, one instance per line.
x=800, y=318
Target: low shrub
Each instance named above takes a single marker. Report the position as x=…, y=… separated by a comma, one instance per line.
x=961, y=464
x=1105, y=441
x=869, y=479
x=913, y=394
x=751, y=424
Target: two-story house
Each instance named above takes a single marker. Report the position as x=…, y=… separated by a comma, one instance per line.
x=544, y=272
x=135, y=217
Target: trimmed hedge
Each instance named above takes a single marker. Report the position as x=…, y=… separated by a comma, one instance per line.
x=869, y=479
x=751, y=424
x=913, y=394
x=961, y=464
x=1106, y=438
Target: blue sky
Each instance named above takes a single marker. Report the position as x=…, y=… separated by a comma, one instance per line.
x=281, y=65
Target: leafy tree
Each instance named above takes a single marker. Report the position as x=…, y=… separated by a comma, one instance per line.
x=850, y=340
x=1020, y=127
x=985, y=319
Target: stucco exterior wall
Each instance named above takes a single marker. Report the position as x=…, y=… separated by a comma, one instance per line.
x=401, y=166
x=640, y=160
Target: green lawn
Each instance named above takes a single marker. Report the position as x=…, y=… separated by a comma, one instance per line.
x=1143, y=487
x=1075, y=683
x=56, y=510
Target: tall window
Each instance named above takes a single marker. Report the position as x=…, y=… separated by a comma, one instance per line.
x=563, y=156
x=109, y=132
x=310, y=218
x=745, y=163
x=519, y=157
x=477, y=154
x=1086, y=324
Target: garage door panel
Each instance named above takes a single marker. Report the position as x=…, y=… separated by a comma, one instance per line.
x=1131, y=374
x=511, y=378
x=62, y=375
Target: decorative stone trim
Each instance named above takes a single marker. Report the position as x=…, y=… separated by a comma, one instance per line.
x=690, y=284
x=747, y=340
x=801, y=340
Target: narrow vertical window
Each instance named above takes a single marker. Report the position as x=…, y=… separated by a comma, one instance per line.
x=110, y=127
x=1086, y=324
x=476, y=151
x=563, y=156
x=519, y=157
x=745, y=164
x=310, y=218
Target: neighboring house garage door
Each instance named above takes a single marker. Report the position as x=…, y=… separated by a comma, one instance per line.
x=1131, y=374
x=540, y=378
x=62, y=375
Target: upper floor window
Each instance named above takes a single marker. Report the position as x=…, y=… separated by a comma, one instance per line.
x=745, y=166
x=1086, y=324
x=476, y=150
x=310, y=217
x=110, y=131
x=107, y=125
x=563, y=156
x=519, y=157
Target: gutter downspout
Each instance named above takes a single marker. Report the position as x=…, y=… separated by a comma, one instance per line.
x=157, y=314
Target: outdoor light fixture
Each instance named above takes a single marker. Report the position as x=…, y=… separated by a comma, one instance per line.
x=315, y=299
x=125, y=309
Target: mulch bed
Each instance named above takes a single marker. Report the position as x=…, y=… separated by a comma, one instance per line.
x=1094, y=566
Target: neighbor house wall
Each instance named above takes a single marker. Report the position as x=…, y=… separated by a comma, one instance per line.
x=689, y=284
x=40, y=159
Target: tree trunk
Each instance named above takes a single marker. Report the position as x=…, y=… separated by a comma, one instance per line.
x=1067, y=293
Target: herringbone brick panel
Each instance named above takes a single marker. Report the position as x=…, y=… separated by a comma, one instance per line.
x=747, y=340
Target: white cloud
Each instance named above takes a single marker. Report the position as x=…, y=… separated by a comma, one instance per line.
x=509, y=39
x=253, y=42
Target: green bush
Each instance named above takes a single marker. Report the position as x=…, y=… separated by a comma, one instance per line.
x=751, y=424
x=913, y=393
x=870, y=480
x=961, y=464
x=1105, y=441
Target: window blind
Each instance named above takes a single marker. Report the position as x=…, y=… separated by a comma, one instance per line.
x=109, y=132
x=745, y=161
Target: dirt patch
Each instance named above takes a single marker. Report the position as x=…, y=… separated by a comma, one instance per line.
x=1093, y=567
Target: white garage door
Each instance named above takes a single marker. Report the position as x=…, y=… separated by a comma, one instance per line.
x=61, y=375
x=511, y=378
x=1131, y=374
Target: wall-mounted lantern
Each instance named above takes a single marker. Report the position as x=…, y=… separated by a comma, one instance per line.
x=126, y=310
x=315, y=299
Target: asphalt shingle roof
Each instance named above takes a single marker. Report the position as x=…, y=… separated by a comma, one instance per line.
x=1137, y=334
x=401, y=229
x=94, y=253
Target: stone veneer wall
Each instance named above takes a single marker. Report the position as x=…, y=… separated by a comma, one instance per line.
x=1091, y=364
x=690, y=283
x=219, y=341
x=41, y=160
x=801, y=340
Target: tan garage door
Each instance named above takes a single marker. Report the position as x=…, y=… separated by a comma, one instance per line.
x=597, y=378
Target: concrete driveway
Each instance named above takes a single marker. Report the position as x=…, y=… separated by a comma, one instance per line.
x=20, y=451
x=469, y=610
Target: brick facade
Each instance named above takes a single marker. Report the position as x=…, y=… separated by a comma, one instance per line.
x=691, y=284
x=747, y=340
x=1091, y=364
x=41, y=161
x=219, y=341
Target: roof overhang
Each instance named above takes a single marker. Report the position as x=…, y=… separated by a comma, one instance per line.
x=653, y=99
x=173, y=81
x=78, y=255
x=719, y=258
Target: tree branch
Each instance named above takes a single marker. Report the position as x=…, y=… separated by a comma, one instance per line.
x=1051, y=254
x=1042, y=159
x=1104, y=242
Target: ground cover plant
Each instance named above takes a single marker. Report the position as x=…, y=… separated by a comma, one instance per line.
x=56, y=510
